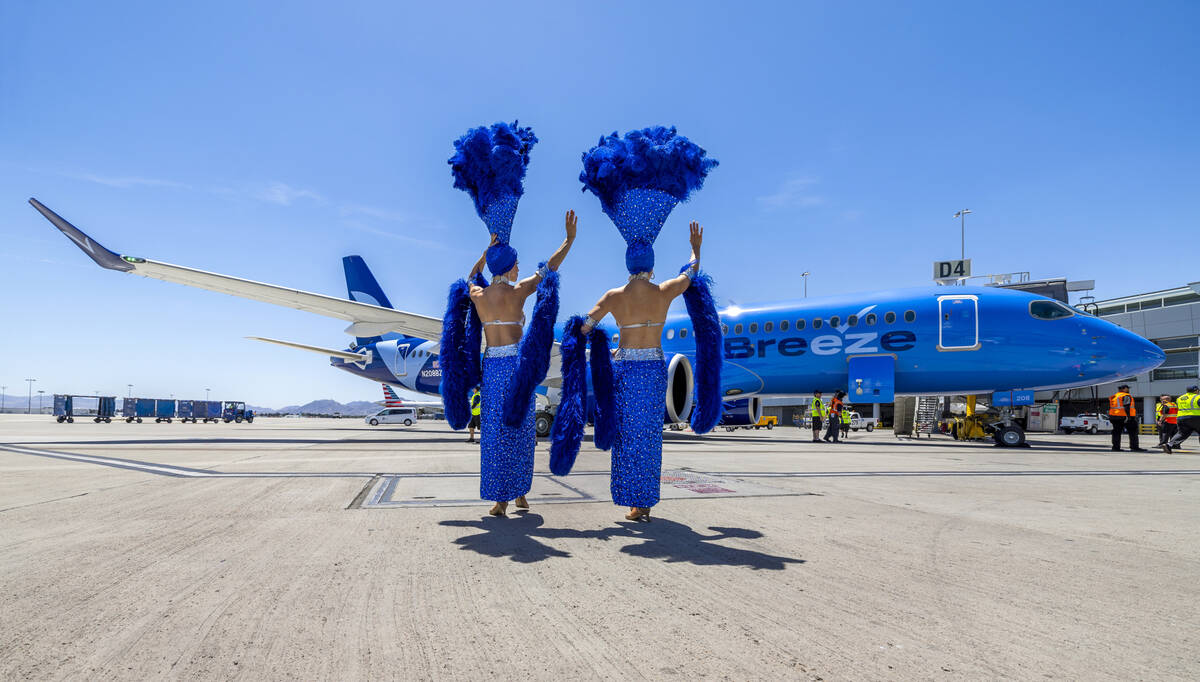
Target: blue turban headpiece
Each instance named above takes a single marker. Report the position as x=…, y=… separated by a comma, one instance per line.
x=639, y=179
x=489, y=164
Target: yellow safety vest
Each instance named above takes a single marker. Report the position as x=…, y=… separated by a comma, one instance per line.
x=818, y=408
x=1189, y=405
x=476, y=405
x=845, y=416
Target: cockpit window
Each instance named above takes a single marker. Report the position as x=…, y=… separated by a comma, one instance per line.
x=1049, y=310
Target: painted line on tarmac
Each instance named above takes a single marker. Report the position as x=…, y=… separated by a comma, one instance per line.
x=864, y=474
x=174, y=471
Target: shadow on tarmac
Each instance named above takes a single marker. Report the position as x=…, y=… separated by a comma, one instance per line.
x=267, y=441
x=519, y=536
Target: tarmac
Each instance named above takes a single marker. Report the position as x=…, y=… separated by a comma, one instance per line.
x=328, y=549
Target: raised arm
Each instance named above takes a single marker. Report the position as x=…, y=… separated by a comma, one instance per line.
x=527, y=285
x=599, y=311
x=677, y=285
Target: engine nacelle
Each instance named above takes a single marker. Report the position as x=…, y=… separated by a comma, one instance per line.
x=744, y=412
x=680, y=384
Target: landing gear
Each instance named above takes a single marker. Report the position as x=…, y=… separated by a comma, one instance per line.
x=1010, y=436
x=542, y=421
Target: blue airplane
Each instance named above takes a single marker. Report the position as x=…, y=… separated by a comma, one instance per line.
x=922, y=341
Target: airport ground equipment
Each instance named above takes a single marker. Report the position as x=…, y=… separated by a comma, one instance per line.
x=64, y=408
x=857, y=421
x=207, y=411
x=164, y=410
x=143, y=408
x=185, y=410
x=236, y=411
x=1088, y=423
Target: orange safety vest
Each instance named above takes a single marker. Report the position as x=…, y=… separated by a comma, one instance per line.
x=1172, y=415
x=1121, y=405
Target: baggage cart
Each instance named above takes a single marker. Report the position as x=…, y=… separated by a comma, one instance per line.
x=64, y=408
x=185, y=410
x=143, y=407
x=164, y=410
x=210, y=410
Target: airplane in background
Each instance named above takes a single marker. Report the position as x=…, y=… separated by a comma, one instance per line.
x=922, y=341
x=391, y=399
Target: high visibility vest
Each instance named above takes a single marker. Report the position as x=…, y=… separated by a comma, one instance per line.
x=835, y=406
x=818, y=408
x=1189, y=405
x=1170, y=417
x=1121, y=405
x=845, y=417
x=476, y=405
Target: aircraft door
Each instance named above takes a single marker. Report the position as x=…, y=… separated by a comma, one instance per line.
x=872, y=379
x=958, y=322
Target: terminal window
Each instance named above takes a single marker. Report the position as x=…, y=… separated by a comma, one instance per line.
x=1179, y=365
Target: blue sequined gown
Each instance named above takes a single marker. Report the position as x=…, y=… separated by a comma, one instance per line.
x=640, y=389
x=506, y=453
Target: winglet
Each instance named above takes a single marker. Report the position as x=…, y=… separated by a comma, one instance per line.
x=103, y=257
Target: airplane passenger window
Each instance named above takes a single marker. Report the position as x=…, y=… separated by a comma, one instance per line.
x=783, y=326
x=725, y=329
x=909, y=316
x=852, y=320
x=670, y=333
x=737, y=329
x=835, y=321
x=683, y=333
x=769, y=326
x=753, y=327
x=616, y=337
x=871, y=320
x=890, y=317
x=817, y=323
x=1049, y=310
x=799, y=325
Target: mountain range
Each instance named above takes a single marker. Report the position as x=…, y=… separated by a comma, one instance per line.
x=354, y=408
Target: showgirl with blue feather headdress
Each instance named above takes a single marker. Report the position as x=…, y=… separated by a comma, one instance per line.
x=639, y=179
x=489, y=164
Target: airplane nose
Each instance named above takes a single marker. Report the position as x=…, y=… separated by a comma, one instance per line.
x=1123, y=353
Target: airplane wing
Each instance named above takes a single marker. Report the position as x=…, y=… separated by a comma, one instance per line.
x=361, y=359
x=365, y=319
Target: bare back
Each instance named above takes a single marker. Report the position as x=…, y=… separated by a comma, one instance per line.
x=503, y=303
x=639, y=302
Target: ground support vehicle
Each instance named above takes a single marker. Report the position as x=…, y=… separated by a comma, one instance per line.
x=1090, y=423
x=185, y=410
x=766, y=422
x=135, y=409
x=857, y=421
x=393, y=415
x=206, y=411
x=236, y=411
x=164, y=410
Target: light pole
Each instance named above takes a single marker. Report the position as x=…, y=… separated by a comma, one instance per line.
x=40, y=392
x=29, y=404
x=206, y=394
x=2, y=390
x=962, y=216
x=130, y=390
x=805, y=276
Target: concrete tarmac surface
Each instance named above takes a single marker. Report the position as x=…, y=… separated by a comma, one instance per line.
x=327, y=549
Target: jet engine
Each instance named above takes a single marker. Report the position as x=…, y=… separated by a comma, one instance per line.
x=744, y=412
x=680, y=383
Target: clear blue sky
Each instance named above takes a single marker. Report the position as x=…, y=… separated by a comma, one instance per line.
x=268, y=141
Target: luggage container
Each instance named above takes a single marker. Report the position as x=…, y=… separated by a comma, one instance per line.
x=164, y=410
x=64, y=408
x=106, y=409
x=208, y=410
x=185, y=410
x=142, y=407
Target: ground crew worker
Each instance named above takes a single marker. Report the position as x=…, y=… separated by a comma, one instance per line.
x=816, y=412
x=845, y=422
x=1123, y=415
x=835, y=418
x=1166, y=413
x=1188, y=415
x=476, y=411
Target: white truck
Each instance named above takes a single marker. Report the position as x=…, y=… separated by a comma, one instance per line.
x=857, y=421
x=1088, y=423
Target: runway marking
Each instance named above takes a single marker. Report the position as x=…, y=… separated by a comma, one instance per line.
x=175, y=471
x=1059, y=472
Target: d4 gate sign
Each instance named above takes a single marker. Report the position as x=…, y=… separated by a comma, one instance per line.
x=951, y=269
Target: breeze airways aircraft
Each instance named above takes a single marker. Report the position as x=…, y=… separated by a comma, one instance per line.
x=923, y=341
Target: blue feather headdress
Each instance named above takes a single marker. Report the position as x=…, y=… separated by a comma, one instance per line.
x=489, y=164
x=639, y=179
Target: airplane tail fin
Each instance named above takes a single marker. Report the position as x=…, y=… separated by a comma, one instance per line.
x=362, y=287
x=390, y=399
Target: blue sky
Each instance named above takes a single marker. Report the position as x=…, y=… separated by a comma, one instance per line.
x=268, y=141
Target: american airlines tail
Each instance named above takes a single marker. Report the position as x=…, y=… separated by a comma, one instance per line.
x=362, y=287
